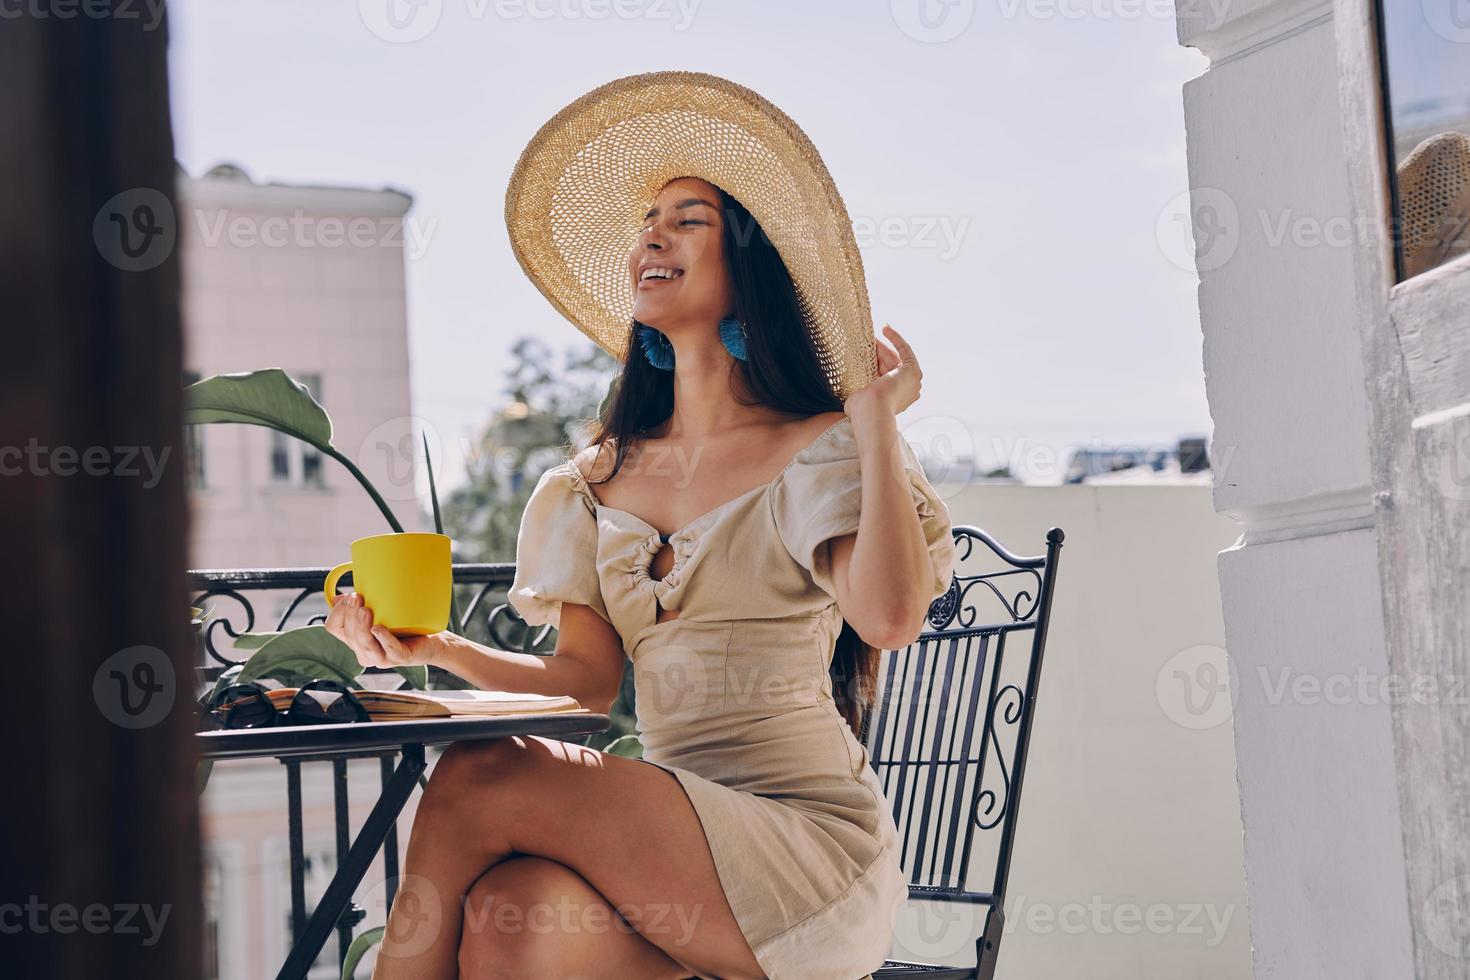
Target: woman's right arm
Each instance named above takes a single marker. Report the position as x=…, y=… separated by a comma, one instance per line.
x=587, y=664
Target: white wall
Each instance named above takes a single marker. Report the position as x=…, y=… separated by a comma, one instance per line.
x=1128, y=857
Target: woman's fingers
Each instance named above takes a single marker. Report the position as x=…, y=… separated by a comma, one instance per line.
x=359, y=624
x=393, y=648
x=887, y=357
x=336, y=623
x=905, y=352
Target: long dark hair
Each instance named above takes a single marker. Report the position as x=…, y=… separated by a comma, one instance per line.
x=782, y=371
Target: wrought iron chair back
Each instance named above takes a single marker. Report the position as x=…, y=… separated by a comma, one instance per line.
x=949, y=732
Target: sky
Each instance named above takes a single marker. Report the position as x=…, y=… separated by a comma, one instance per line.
x=1023, y=159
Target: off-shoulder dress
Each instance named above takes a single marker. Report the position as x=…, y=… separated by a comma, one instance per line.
x=733, y=695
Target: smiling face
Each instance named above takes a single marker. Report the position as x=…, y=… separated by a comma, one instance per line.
x=677, y=268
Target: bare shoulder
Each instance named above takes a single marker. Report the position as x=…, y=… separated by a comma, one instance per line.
x=825, y=420
x=819, y=423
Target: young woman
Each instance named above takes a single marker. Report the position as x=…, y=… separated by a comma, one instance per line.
x=747, y=527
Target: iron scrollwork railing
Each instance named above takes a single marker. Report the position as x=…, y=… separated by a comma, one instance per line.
x=235, y=597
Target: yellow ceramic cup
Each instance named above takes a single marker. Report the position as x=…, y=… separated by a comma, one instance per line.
x=404, y=578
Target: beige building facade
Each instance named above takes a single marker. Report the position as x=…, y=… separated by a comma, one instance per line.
x=310, y=280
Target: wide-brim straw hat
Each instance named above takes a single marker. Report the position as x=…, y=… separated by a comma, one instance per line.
x=577, y=196
x=1434, y=201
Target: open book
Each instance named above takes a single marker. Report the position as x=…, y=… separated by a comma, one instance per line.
x=395, y=705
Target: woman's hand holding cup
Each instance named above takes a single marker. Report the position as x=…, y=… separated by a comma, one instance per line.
x=351, y=621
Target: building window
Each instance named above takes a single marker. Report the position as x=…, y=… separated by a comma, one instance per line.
x=294, y=463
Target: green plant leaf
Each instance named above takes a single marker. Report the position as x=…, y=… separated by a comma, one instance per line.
x=307, y=652
x=433, y=492
x=418, y=676
x=456, y=624
x=271, y=398
x=227, y=677
x=626, y=745
x=254, y=641
x=361, y=943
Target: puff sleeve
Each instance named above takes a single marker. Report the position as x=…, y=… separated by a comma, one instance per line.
x=820, y=497
x=556, y=550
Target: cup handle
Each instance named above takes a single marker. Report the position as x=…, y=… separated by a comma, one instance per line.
x=329, y=588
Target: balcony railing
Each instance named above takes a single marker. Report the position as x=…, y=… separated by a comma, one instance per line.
x=250, y=600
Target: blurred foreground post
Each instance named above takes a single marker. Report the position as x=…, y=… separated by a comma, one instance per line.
x=99, y=838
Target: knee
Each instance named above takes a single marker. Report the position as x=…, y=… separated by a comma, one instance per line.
x=510, y=923
x=464, y=774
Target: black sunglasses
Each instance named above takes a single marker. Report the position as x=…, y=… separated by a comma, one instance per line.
x=249, y=705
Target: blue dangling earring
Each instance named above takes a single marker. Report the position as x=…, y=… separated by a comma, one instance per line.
x=732, y=335
x=657, y=347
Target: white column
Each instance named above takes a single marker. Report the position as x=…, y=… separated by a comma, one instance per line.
x=1301, y=592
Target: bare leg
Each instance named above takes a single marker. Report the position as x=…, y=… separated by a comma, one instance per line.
x=622, y=825
x=530, y=917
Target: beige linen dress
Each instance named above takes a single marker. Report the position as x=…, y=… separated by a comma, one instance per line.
x=733, y=696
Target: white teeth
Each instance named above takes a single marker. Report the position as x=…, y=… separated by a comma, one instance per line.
x=658, y=272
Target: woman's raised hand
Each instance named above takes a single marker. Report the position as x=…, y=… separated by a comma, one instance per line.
x=351, y=621
x=897, y=385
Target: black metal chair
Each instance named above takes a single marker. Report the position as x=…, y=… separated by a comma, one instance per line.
x=950, y=729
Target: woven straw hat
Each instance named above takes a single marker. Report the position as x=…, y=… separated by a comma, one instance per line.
x=577, y=196
x=1434, y=201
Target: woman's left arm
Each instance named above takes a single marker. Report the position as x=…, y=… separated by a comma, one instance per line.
x=882, y=572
